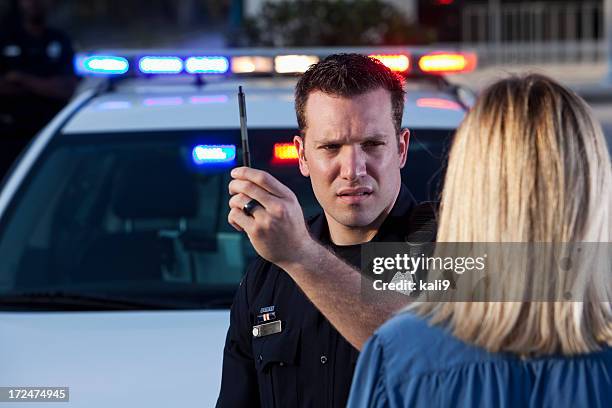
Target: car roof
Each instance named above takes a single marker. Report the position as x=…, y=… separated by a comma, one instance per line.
x=156, y=105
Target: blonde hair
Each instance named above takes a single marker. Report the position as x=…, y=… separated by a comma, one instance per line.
x=529, y=164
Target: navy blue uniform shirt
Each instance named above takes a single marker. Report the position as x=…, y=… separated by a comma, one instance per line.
x=307, y=364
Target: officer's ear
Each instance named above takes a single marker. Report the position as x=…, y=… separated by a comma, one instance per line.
x=300, y=143
x=402, y=143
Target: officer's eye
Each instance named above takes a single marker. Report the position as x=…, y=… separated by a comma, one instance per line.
x=373, y=143
x=330, y=147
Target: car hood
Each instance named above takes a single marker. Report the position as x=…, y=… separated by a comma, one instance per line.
x=117, y=359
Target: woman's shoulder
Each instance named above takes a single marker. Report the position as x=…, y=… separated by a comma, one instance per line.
x=416, y=331
x=413, y=343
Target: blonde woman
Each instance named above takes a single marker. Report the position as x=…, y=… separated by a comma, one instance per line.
x=528, y=164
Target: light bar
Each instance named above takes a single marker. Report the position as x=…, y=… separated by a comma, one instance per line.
x=247, y=65
x=102, y=64
x=442, y=63
x=206, y=65
x=291, y=64
x=285, y=152
x=397, y=63
x=235, y=62
x=203, y=154
x=160, y=65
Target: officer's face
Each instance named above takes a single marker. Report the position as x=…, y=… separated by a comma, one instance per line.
x=353, y=158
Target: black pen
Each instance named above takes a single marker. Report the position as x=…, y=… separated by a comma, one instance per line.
x=246, y=153
x=244, y=133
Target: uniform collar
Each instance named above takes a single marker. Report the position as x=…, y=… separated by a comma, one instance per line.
x=393, y=227
x=403, y=204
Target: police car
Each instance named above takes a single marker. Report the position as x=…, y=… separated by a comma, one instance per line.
x=118, y=266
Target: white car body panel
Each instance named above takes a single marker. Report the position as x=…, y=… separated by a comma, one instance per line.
x=116, y=359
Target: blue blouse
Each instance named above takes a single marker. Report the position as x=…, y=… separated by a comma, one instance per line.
x=408, y=363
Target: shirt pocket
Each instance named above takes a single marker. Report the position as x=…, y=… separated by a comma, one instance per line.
x=276, y=361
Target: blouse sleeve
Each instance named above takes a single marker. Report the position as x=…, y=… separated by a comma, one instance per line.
x=368, y=388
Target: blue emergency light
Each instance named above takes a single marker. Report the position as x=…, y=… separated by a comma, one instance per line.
x=206, y=65
x=102, y=65
x=208, y=154
x=160, y=65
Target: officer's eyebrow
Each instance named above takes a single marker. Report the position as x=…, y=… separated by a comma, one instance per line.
x=374, y=137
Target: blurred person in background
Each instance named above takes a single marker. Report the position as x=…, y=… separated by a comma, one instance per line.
x=36, y=75
x=534, y=164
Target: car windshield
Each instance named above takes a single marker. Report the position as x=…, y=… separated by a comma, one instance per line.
x=132, y=220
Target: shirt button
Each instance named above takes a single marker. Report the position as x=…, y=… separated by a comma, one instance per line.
x=323, y=359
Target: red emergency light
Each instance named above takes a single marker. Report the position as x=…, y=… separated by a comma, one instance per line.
x=285, y=153
x=397, y=62
x=447, y=63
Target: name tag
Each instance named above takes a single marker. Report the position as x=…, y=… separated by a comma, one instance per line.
x=267, y=329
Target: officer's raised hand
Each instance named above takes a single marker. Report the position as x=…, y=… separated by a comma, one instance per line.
x=275, y=223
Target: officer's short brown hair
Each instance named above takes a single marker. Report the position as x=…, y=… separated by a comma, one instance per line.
x=349, y=75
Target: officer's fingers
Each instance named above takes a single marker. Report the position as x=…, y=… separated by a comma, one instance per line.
x=263, y=179
x=252, y=190
x=230, y=220
x=239, y=220
x=239, y=201
x=234, y=225
x=275, y=208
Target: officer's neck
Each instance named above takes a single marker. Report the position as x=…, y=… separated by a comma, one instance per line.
x=341, y=234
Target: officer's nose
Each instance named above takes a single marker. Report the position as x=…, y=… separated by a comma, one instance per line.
x=353, y=163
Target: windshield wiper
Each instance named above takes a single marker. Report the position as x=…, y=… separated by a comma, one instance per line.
x=62, y=300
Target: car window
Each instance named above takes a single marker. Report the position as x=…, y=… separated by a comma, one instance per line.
x=133, y=215
x=424, y=170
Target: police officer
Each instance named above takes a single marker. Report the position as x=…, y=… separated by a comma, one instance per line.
x=36, y=75
x=298, y=318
